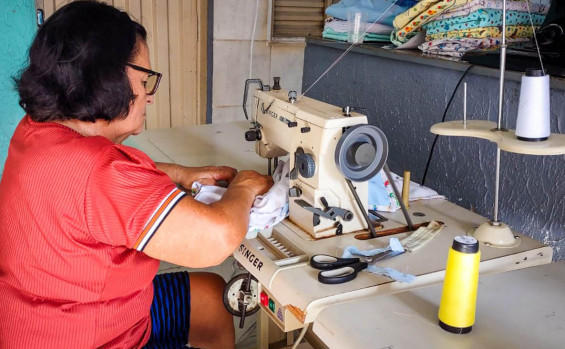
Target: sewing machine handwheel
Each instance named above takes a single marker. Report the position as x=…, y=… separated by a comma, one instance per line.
x=231, y=295
x=361, y=152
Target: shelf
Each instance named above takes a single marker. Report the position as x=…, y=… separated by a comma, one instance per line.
x=506, y=140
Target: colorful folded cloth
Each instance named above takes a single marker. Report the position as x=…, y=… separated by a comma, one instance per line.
x=383, y=11
x=341, y=26
x=407, y=24
x=512, y=32
x=481, y=18
x=511, y=5
x=458, y=47
x=329, y=33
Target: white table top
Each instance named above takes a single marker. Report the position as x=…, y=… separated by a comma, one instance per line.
x=203, y=145
x=516, y=309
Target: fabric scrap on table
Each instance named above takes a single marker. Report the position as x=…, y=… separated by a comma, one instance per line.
x=395, y=246
x=382, y=197
x=421, y=236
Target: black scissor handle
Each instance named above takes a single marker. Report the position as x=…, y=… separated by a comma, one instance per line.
x=341, y=275
x=327, y=262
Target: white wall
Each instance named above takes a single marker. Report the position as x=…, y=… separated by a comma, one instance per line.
x=233, y=29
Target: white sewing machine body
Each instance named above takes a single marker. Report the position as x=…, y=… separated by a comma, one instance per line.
x=315, y=128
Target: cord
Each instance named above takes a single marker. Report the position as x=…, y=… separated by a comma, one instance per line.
x=346, y=51
x=535, y=36
x=253, y=40
x=300, y=336
x=442, y=120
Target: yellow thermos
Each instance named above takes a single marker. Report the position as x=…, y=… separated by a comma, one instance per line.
x=459, y=295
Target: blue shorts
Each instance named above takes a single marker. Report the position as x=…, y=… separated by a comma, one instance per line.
x=170, y=311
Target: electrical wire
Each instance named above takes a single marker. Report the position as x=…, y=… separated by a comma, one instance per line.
x=300, y=336
x=535, y=36
x=346, y=51
x=253, y=40
x=442, y=120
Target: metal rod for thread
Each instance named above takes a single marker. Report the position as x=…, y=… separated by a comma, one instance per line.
x=496, y=186
x=465, y=105
x=404, y=210
x=362, y=208
x=502, y=67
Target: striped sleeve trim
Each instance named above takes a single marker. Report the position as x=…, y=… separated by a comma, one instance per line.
x=158, y=217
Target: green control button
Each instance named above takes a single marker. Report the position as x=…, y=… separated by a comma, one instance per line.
x=272, y=305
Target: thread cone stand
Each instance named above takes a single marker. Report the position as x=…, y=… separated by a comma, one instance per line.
x=495, y=234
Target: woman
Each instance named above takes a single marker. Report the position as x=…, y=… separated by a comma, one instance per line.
x=85, y=220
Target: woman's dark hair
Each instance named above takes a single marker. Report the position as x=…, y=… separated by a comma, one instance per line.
x=77, y=64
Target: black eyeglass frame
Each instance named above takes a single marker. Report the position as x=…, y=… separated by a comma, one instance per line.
x=151, y=73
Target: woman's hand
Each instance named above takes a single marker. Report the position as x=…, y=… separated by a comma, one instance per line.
x=257, y=183
x=207, y=175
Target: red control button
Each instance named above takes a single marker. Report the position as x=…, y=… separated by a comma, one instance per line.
x=264, y=299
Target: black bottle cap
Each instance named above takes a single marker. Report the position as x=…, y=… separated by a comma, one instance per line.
x=465, y=244
x=456, y=330
x=534, y=72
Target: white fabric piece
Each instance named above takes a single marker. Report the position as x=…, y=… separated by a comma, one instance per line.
x=417, y=191
x=271, y=208
x=268, y=209
x=382, y=197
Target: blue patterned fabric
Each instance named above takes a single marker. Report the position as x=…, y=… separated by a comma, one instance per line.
x=374, y=9
x=170, y=311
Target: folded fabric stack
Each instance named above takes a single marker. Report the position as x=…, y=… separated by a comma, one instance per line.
x=478, y=25
x=337, y=29
x=453, y=27
x=379, y=16
x=409, y=23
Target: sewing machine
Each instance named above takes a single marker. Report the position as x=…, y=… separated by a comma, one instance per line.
x=327, y=146
x=325, y=154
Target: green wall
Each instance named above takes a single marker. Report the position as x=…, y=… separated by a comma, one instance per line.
x=17, y=27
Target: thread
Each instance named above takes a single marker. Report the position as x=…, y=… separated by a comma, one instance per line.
x=459, y=296
x=532, y=123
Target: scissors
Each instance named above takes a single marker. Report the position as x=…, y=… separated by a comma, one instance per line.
x=339, y=270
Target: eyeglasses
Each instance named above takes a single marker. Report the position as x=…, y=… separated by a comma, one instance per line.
x=152, y=80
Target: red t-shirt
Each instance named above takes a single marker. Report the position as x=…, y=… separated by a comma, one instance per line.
x=75, y=214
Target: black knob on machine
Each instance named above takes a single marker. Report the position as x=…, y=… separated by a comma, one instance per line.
x=306, y=165
x=253, y=135
x=276, y=84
